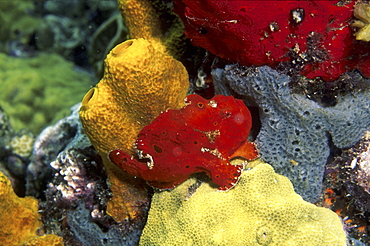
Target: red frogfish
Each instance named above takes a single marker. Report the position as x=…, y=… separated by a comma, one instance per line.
x=202, y=136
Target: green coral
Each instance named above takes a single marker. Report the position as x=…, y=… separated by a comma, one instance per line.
x=262, y=209
x=38, y=91
x=16, y=22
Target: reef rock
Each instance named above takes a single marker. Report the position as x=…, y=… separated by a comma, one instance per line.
x=47, y=146
x=88, y=232
x=69, y=178
x=354, y=174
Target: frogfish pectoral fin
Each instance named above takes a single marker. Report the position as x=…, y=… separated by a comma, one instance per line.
x=246, y=150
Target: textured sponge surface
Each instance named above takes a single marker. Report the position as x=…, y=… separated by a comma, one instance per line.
x=295, y=131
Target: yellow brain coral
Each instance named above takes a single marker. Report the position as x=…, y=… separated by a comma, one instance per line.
x=262, y=209
x=19, y=219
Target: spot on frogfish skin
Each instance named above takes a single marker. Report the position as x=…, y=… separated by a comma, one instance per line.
x=239, y=119
x=200, y=137
x=177, y=151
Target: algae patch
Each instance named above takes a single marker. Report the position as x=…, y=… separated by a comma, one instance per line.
x=39, y=91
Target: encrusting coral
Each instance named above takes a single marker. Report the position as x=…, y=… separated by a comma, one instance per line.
x=262, y=209
x=20, y=219
x=22, y=143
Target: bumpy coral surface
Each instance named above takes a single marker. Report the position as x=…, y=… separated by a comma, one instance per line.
x=294, y=135
x=139, y=83
x=20, y=219
x=22, y=144
x=202, y=136
x=268, y=32
x=261, y=210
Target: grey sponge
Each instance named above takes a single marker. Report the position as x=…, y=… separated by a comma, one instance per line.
x=295, y=131
x=89, y=233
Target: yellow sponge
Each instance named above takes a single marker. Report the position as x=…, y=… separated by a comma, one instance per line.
x=19, y=219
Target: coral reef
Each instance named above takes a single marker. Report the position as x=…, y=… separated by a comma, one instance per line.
x=137, y=111
x=79, y=192
x=360, y=174
x=202, y=136
x=68, y=176
x=20, y=220
x=78, y=174
x=348, y=188
x=70, y=28
x=22, y=143
x=15, y=151
x=35, y=93
x=18, y=24
x=294, y=130
x=312, y=37
x=17, y=157
x=6, y=133
x=51, y=141
x=362, y=13
x=139, y=83
x=261, y=210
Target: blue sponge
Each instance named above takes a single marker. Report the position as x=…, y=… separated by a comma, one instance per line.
x=295, y=131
